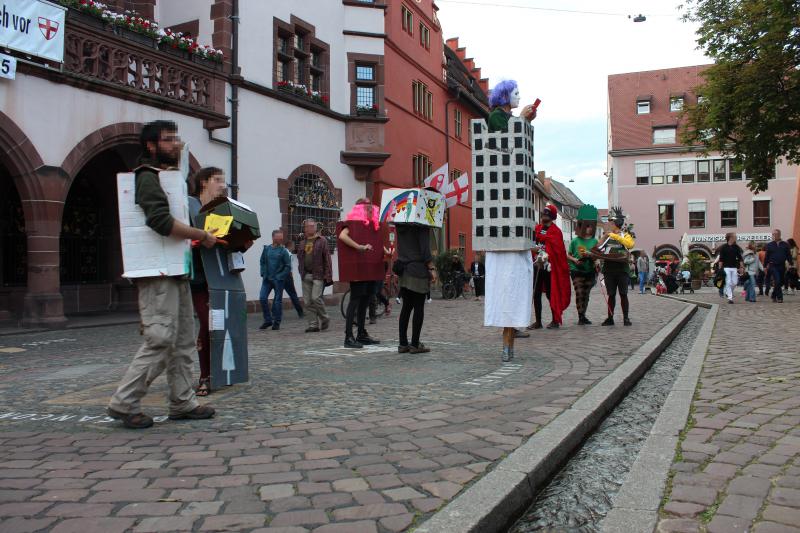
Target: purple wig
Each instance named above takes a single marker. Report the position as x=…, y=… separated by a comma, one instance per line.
x=501, y=94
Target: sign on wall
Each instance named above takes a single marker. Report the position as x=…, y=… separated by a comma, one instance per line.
x=33, y=27
x=720, y=237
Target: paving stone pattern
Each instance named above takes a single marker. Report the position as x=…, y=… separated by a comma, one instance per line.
x=738, y=468
x=318, y=441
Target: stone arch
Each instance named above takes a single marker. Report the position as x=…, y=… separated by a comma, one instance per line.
x=17, y=152
x=664, y=248
x=103, y=139
x=285, y=186
x=702, y=249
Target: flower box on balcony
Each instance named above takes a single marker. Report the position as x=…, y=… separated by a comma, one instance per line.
x=210, y=63
x=177, y=52
x=367, y=112
x=136, y=37
x=86, y=19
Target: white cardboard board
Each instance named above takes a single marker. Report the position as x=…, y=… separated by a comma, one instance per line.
x=412, y=206
x=145, y=253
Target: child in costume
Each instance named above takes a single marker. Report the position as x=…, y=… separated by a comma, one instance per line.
x=614, y=250
x=581, y=262
x=509, y=274
x=551, y=275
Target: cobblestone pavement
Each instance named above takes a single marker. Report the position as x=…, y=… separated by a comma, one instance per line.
x=320, y=439
x=738, y=468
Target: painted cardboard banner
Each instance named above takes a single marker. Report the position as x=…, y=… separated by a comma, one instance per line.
x=412, y=206
x=34, y=27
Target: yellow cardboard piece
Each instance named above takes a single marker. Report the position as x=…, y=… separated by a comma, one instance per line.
x=221, y=224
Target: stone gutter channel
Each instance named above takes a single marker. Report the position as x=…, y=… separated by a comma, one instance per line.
x=498, y=499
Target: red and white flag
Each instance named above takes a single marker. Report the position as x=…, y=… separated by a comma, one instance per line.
x=457, y=192
x=438, y=180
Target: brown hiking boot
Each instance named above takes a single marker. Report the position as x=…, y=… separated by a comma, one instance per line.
x=131, y=421
x=201, y=412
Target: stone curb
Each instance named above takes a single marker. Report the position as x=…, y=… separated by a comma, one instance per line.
x=637, y=503
x=494, y=502
x=704, y=305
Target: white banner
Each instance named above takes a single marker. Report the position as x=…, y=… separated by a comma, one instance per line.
x=720, y=237
x=34, y=27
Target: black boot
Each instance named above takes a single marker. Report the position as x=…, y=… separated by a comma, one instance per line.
x=365, y=339
x=608, y=321
x=626, y=322
x=350, y=342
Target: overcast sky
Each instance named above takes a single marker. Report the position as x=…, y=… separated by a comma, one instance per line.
x=565, y=59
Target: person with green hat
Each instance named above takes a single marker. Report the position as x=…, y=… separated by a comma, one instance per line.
x=581, y=262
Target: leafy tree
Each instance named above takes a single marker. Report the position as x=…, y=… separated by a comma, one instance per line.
x=751, y=97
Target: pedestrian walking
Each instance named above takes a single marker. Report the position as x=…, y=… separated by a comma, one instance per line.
x=791, y=283
x=752, y=267
x=208, y=184
x=581, y=266
x=632, y=272
x=778, y=255
x=730, y=258
x=361, y=263
x=478, y=271
x=165, y=302
x=276, y=265
x=643, y=268
x=415, y=267
x=762, y=275
x=314, y=264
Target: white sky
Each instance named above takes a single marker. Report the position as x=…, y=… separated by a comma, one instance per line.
x=565, y=59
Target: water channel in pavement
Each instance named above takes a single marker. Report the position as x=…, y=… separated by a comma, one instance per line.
x=578, y=497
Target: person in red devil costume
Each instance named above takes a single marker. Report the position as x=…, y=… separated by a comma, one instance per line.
x=551, y=271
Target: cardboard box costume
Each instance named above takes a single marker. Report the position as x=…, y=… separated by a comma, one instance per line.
x=227, y=300
x=361, y=266
x=145, y=253
x=503, y=210
x=422, y=207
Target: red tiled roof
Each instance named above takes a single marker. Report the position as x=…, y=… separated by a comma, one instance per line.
x=630, y=130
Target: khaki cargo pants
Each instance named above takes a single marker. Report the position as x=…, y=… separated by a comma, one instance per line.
x=315, y=305
x=167, y=316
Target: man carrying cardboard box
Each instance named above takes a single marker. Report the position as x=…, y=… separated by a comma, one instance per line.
x=165, y=302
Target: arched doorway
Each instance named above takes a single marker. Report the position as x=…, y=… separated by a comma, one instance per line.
x=91, y=258
x=13, y=248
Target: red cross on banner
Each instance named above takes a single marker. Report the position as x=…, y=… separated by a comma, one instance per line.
x=457, y=192
x=49, y=28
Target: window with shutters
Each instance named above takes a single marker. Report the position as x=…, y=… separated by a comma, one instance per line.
x=657, y=173
x=703, y=171
x=761, y=213
x=697, y=215
x=729, y=213
x=719, y=170
x=666, y=216
x=687, y=171
x=642, y=173
x=672, y=171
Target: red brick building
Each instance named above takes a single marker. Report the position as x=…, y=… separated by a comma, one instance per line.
x=432, y=91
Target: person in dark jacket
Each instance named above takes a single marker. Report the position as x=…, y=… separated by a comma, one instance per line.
x=165, y=303
x=315, y=270
x=276, y=265
x=208, y=183
x=478, y=272
x=778, y=254
x=415, y=259
x=732, y=261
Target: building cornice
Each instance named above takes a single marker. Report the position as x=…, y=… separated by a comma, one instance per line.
x=263, y=90
x=658, y=150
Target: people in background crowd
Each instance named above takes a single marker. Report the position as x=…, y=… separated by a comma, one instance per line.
x=276, y=265
x=752, y=267
x=730, y=258
x=778, y=255
x=478, y=272
x=643, y=269
x=316, y=272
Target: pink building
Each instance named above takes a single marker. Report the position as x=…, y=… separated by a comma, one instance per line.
x=668, y=189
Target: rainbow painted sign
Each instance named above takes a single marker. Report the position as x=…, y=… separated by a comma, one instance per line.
x=412, y=206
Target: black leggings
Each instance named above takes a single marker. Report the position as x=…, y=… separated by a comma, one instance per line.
x=360, y=292
x=412, y=301
x=542, y=285
x=617, y=282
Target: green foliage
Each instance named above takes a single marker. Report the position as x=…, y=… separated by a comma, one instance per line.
x=444, y=263
x=697, y=265
x=751, y=106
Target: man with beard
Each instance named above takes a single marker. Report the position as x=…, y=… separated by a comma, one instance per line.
x=165, y=303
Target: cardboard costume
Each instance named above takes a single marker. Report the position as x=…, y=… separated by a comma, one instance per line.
x=355, y=265
x=422, y=207
x=227, y=300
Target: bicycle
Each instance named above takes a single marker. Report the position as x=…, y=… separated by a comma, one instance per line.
x=389, y=290
x=451, y=284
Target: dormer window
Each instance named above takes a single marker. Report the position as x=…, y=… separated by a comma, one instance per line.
x=642, y=107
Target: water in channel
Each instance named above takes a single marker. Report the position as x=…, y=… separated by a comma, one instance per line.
x=578, y=497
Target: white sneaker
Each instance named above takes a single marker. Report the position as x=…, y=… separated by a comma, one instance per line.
x=429, y=301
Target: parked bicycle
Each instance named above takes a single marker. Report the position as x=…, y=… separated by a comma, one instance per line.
x=389, y=290
x=452, y=283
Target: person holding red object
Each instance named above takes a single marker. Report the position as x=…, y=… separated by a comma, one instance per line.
x=551, y=273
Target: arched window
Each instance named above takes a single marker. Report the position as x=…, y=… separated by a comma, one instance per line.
x=310, y=196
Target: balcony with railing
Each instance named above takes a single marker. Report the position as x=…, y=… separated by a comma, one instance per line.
x=103, y=58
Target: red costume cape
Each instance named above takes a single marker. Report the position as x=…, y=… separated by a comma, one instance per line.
x=560, y=291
